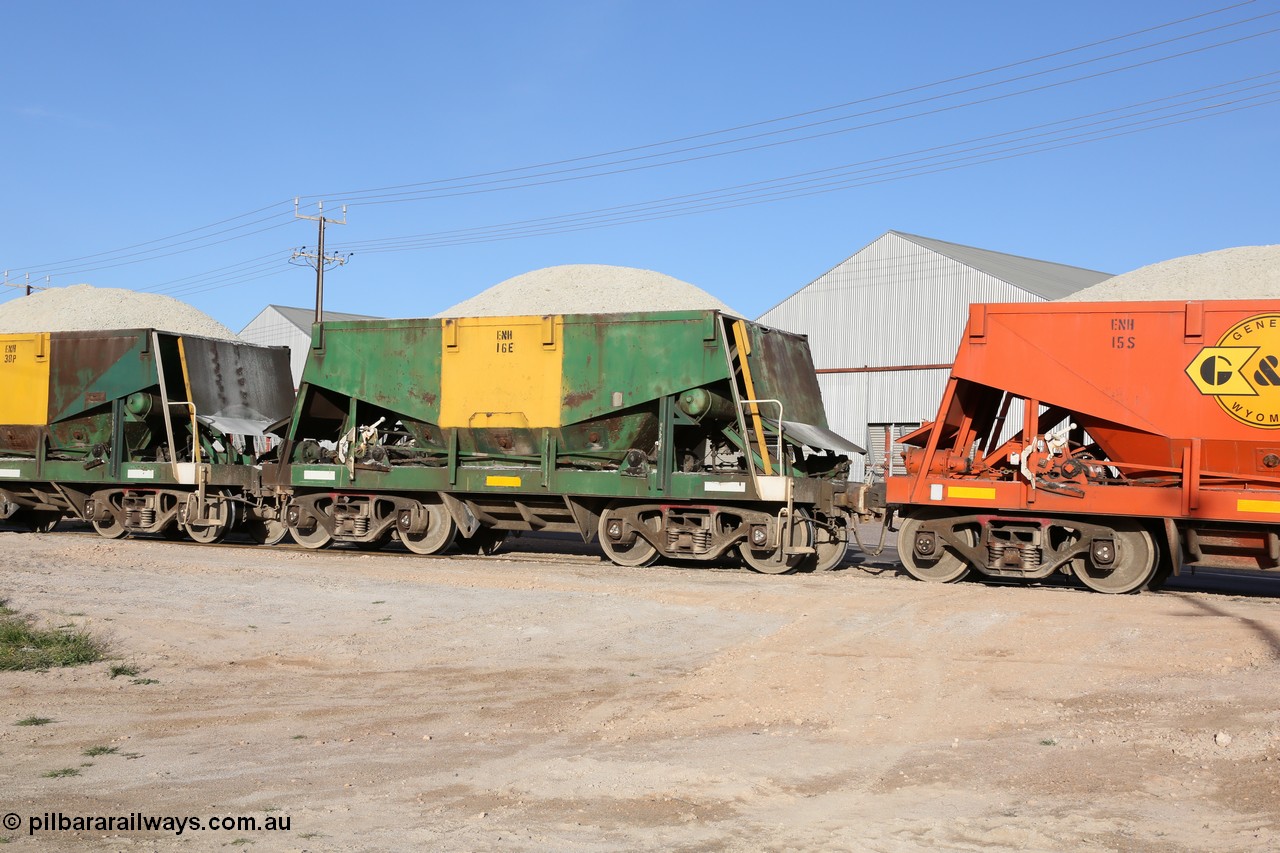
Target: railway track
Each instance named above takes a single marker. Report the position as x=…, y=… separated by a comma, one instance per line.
x=567, y=550
x=393, y=549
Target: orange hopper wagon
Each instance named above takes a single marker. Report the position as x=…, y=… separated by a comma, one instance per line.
x=1111, y=441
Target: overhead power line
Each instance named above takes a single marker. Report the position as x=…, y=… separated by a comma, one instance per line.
x=61, y=268
x=816, y=111
x=1052, y=135
x=467, y=190
x=174, y=244
x=1179, y=99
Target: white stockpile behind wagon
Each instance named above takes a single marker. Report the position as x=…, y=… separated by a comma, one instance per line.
x=83, y=307
x=1245, y=272
x=586, y=289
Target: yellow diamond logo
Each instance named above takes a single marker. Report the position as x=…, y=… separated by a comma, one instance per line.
x=1217, y=371
x=1242, y=373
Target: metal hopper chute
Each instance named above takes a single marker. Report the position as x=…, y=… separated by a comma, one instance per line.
x=243, y=391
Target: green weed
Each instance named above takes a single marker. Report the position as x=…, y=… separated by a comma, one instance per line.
x=58, y=774
x=24, y=646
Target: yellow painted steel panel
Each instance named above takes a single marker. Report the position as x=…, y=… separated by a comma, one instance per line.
x=501, y=372
x=980, y=493
x=1272, y=507
x=502, y=481
x=24, y=379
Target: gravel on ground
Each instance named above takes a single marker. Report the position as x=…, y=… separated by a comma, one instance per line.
x=531, y=702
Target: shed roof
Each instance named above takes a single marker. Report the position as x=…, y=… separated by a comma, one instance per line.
x=1042, y=278
x=302, y=317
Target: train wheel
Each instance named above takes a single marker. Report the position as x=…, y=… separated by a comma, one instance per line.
x=307, y=531
x=624, y=546
x=1132, y=564
x=486, y=542
x=110, y=529
x=831, y=549
x=775, y=561
x=942, y=565
x=266, y=531
x=316, y=538
x=439, y=535
x=212, y=534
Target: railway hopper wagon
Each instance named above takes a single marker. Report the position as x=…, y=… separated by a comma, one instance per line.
x=1149, y=434
x=685, y=435
x=139, y=430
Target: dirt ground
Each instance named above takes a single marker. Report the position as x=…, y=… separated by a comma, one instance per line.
x=531, y=702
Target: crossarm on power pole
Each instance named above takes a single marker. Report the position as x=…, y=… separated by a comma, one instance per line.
x=319, y=259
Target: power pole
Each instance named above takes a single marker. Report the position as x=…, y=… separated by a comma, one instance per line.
x=27, y=283
x=319, y=259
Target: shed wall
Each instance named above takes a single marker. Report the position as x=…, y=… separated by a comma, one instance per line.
x=271, y=328
x=893, y=304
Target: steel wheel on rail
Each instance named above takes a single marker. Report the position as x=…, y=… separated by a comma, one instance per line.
x=266, y=531
x=622, y=544
x=830, y=548
x=315, y=538
x=306, y=530
x=776, y=560
x=212, y=534
x=439, y=534
x=936, y=564
x=1124, y=566
x=110, y=529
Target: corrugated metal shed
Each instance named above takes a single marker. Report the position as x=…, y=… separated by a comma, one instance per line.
x=1045, y=279
x=884, y=323
x=282, y=325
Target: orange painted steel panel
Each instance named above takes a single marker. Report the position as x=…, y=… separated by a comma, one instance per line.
x=1124, y=366
x=1183, y=397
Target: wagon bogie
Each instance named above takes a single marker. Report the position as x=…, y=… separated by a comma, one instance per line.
x=1060, y=446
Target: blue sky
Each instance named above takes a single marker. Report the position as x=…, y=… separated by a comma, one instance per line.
x=159, y=146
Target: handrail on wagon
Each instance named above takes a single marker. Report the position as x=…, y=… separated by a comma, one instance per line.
x=754, y=410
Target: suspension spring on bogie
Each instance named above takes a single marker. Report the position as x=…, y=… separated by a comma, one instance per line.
x=692, y=541
x=1012, y=556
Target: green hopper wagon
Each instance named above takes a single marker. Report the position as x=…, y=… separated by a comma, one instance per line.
x=138, y=430
x=684, y=435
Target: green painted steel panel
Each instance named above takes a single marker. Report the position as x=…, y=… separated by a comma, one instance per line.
x=641, y=356
x=90, y=369
x=394, y=364
x=782, y=368
x=473, y=480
